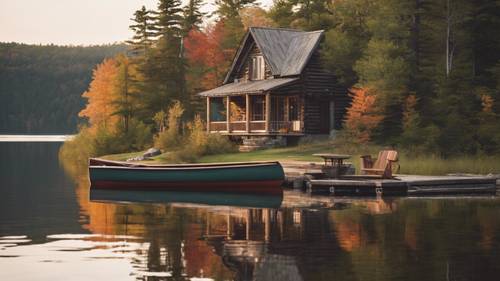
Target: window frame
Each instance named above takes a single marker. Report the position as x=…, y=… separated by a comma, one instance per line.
x=257, y=68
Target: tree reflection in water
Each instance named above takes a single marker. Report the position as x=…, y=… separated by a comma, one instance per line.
x=307, y=238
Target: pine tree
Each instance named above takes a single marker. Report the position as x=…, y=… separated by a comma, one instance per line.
x=192, y=16
x=346, y=41
x=143, y=37
x=125, y=92
x=385, y=64
x=281, y=12
x=229, y=9
x=167, y=80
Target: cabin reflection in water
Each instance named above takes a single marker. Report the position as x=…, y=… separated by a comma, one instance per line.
x=222, y=242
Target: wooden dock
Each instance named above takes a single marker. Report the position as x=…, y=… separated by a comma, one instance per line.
x=308, y=176
x=404, y=185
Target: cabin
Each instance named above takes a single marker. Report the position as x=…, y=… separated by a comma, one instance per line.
x=277, y=87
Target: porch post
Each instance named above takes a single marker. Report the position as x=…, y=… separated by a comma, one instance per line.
x=268, y=112
x=247, y=103
x=208, y=114
x=228, y=114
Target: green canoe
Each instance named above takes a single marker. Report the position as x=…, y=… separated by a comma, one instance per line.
x=248, y=177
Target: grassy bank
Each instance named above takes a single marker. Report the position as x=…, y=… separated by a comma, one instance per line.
x=410, y=164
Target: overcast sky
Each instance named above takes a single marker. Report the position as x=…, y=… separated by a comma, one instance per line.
x=71, y=22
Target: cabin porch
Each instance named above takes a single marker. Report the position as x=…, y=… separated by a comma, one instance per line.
x=256, y=114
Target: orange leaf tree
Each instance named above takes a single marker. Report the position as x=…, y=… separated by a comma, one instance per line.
x=362, y=116
x=101, y=96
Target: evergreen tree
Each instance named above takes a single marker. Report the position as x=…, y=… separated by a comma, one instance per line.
x=230, y=20
x=142, y=27
x=192, y=16
x=281, y=12
x=125, y=91
x=346, y=41
x=228, y=9
x=384, y=66
x=167, y=79
x=303, y=14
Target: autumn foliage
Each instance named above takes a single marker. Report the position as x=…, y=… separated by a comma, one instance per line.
x=100, y=96
x=207, y=53
x=362, y=116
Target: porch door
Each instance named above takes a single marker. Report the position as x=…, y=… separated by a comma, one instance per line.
x=324, y=117
x=278, y=113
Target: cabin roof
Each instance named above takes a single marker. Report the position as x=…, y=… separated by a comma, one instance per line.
x=286, y=51
x=247, y=87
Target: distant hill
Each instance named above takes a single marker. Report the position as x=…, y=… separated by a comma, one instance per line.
x=41, y=86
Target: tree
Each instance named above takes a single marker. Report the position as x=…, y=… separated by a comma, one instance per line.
x=255, y=16
x=281, y=12
x=100, y=108
x=302, y=14
x=142, y=27
x=229, y=9
x=167, y=78
x=347, y=39
x=125, y=90
x=385, y=65
x=192, y=16
x=362, y=116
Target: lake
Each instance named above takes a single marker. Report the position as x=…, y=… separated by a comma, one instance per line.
x=50, y=230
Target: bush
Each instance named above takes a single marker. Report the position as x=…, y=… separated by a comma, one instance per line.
x=74, y=154
x=136, y=138
x=198, y=143
x=170, y=138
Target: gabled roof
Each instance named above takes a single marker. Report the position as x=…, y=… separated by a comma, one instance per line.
x=286, y=51
x=247, y=87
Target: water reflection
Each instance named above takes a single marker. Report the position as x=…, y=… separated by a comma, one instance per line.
x=178, y=236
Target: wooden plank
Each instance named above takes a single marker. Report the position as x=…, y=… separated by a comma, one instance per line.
x=247, y=113
x=208, y=114
x=268, y=112
x=452, y=189
x=228, y=114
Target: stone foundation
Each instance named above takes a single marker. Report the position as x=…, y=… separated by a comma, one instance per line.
x=252, y=143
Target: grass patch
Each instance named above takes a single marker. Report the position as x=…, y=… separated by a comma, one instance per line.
x=433, y=165
x=410, y=164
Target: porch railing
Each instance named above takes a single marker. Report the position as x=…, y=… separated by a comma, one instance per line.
x=282, y=127
x=286, y=126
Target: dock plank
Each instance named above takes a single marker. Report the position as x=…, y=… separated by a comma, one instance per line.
x=405, y=184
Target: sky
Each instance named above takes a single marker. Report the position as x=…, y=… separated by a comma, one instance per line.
x=72, y=22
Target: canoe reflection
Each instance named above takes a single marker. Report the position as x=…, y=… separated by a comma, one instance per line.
x=203, y=198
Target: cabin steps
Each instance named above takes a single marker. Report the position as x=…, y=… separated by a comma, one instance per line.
x=256, y=143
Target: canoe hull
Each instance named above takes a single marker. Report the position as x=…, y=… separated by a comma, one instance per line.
x=257, y=178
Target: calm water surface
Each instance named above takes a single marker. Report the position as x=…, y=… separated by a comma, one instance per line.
x=50, y=230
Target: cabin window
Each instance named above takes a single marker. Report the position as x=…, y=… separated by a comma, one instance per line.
x=258, y=106
x=238, y=108
x=293, y=108
x=218, y=109
x=257, y=68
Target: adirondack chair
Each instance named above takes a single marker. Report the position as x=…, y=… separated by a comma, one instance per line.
x=382, y=166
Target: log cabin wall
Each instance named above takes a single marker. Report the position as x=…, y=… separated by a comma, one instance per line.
x=320, y=88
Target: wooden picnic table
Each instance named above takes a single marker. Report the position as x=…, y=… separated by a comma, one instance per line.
x=336, y=162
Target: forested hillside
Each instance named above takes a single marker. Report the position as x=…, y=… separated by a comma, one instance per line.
x=41, y=86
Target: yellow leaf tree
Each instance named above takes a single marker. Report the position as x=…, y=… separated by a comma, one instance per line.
x=101, y=95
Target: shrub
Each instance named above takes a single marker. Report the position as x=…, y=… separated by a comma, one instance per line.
x=218, y=144
x=170, y=138
x=198, y=142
